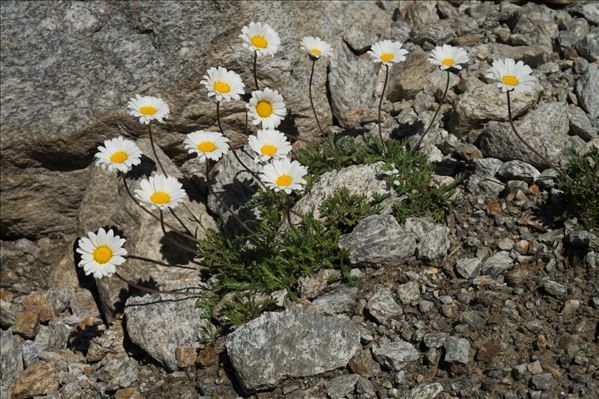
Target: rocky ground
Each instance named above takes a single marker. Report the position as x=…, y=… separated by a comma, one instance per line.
x=495, y=301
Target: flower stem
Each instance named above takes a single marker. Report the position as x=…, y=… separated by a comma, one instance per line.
x=180, y=221
x=154, y=151
x=509, y=111
x=157, y=291
x=162, y=168
x=255, y=75
x=174, y=242
x=436, y=113
x=384, y=147
x=310, y=95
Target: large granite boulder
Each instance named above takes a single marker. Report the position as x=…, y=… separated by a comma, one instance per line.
x=86, y=59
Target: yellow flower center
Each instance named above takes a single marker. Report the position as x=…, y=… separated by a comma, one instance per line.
x=119, y=157
x=148, y=110
x=510, y=80
x=259, y=41
x=386, y=57
x=315, y=51
x=269, y=150
x=160, y=197
x=222, y=87
x=284, y=180
x=448, y=61
x=264, y=109
x=206, y=146
x=102, y=254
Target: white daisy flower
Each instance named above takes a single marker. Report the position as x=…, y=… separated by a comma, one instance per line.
x=223, y=84
x=101, y=253
x=511, y=75
x=284, y=174
x=447, y=56
x=148, y=108
x=268, y=144
x=261, y=38
x=207, y=145
x=387, y=52
x=160, y=192
x=267, y=106
x=118, y=154
x=315, y=47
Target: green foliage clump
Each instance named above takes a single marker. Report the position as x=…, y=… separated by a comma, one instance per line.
x=274, y=256
x=581, y=190
x=277, y=257
x=410, y=174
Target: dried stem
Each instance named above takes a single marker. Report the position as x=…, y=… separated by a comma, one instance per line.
x=436, y=113
x=380, y=106
x=154, y=151
x=255, y=75
x=310, y=95
x=155, y=291
x=162, y=168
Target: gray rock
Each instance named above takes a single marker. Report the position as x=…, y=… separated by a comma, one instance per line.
x=341, y=300
x=547, y=179
x=473, y=319
x=457, y=350
x=395, y=355
x=497, y=264
x=554, y=288
x=365, y=389
x=417, y=75
x=353, y=86
x=518, y=170
x=545, y=129
x=580, y=65
x=377, y=240
x=409, y=293
x=542, y=381
x=588, y=47
x=587, y=91
x=590, y=11
x=60, y=298
x=469, y=267
x=358, y=179
x=340, y=386
x=50, y=338
x=382, y=305
x=11, y=362
x=485, y=103
x=580, y=124
x=295, y=343
x=533, y=56
x=433, y=238
x=576, y=30
x=7, y=314
x=120, y=372
x=83, y=304
x=435, y=340
x=106, y=203
x=483, y=179
x=158, y=324
x=535, y=26
x=429, y=390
